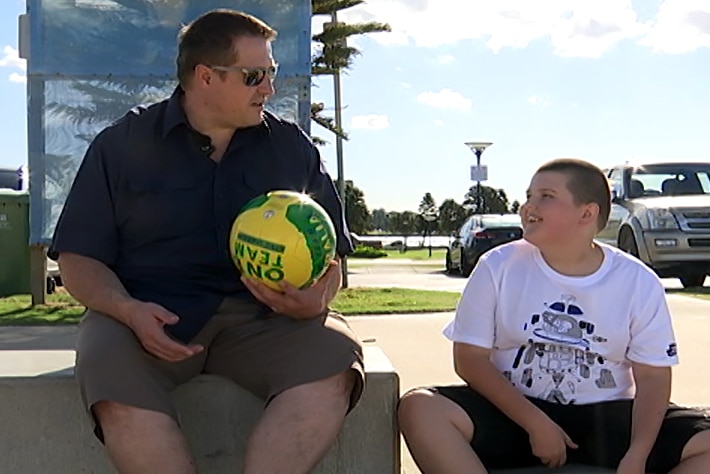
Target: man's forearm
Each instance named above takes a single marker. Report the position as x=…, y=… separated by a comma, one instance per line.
x=95, y=286
x=653, y=390
x=334, y=279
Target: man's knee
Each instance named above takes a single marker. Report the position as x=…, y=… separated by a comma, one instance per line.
x=335, y=389
x=113, y=416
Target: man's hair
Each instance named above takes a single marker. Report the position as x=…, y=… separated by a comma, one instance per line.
x=209, y=39
x=586, y=183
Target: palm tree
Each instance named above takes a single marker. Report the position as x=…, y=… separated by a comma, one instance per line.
x=334, y=54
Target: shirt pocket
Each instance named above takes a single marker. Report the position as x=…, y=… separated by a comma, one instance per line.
x=163, y=207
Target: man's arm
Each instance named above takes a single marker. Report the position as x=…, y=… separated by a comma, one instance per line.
x=95, y=286
x=305, y=303
x=653, y=392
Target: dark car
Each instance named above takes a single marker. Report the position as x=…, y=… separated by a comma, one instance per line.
x=480, y=233
x=11, y=178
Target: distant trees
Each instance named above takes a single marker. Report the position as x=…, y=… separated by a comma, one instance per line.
x=493, y=201
x=449, y=216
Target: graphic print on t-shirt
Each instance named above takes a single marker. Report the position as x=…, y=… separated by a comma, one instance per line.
x=557, y=356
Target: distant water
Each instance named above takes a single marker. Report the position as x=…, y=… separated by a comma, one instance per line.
x=412, y=240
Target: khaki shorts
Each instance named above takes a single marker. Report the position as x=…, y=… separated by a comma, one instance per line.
x=265, y=353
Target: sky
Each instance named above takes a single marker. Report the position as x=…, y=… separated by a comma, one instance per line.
x=608, y=81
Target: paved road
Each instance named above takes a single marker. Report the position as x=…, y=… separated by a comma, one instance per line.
x=420, y=274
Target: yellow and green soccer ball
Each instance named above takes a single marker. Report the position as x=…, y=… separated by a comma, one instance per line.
x=283, y=236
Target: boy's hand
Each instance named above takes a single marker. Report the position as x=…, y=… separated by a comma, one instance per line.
x=632, y=463
x=549, y=442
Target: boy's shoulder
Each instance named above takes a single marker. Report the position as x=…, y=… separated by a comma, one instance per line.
x=623, y=262
x=516, y=252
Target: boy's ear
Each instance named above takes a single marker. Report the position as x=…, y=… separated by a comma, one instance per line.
x=590, y=213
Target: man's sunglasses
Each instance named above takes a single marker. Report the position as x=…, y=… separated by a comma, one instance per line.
x=252, y=76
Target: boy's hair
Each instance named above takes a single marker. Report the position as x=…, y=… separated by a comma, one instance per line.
x=209, y=39
x=586, y=183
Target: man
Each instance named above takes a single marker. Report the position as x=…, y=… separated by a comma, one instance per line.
x=142, y=242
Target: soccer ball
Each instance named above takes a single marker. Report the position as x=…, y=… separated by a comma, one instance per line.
x=283, y=236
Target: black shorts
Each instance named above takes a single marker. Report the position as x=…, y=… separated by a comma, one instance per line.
x=602, y=431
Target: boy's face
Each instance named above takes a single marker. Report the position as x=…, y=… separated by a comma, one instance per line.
x=550, y=215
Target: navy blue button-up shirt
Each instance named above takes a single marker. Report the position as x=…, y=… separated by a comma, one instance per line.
x=149, y=203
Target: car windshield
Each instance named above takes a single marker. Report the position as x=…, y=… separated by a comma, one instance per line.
x=672, y=179
x=504, y=220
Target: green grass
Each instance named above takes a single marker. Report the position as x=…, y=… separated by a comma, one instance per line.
x=702, y=293
x=63, y=309
x=393, y=300
x=417, y=254
x=60, y=308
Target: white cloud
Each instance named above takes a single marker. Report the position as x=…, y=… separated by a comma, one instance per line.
x=538, y=101
x=11, y=58
x=406, y=85
x=681, y=26
x=574, y=27
x=19, y=78
x=445, y=59
x=370, y=122
x=439, y=123
x=445, y=99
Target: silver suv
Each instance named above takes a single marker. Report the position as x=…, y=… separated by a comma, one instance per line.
x=660, y=213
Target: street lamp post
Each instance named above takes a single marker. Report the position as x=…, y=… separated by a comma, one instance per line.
x=429, y=217
x=339, y=140
x=478, y=173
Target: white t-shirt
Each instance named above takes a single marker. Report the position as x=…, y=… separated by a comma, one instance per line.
x=565, y=339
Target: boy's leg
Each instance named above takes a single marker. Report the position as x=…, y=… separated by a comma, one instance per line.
x=438, y=433
x=309, y=372
x=454, y=429
x=683, y=443
x=127, y=392
x=603, y=432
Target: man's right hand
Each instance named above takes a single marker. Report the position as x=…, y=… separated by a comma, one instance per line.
x=147, y=321
x=549, y=442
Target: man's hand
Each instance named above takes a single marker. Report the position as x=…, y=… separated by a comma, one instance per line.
x=147, y=321
x=632, y=463
x=306, y=303
x=549, y=442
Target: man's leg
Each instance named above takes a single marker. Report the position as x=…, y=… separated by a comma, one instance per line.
x=143, y=441
x=438, y=433
x=696, y=455
x=299, y=426
x=115, y=376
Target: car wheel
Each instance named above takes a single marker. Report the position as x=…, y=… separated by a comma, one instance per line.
x=449, y=266
x=466, y=267
x=692, y=280
x=627, y=242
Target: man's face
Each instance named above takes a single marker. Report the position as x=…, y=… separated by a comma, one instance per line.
x=236, y=104
x=550, y=216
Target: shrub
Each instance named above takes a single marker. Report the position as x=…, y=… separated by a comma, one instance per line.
x=364, y=251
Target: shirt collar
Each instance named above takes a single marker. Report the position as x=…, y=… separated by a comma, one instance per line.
x=175, y=115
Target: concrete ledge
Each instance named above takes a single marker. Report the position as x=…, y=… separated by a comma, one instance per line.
x=571, y=469
x=43, y=427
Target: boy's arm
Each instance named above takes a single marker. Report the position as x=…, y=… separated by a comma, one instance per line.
x=653, y=392
x=473, y=364
x=548, y=441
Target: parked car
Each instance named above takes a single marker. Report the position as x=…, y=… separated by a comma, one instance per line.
x=660, y=213
x=480, y=233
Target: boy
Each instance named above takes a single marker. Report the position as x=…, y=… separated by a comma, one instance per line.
x=565, y=345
